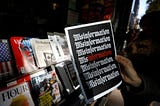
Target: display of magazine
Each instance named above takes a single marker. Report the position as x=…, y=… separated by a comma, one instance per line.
x=59, y=45
x=17, y=95
x=45, y=88
x=23, y=54
x=93, y=52
x=6, y=60
x=43, y=52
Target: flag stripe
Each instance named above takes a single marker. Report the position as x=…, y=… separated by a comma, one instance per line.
x=10, y=67
x=3, y=67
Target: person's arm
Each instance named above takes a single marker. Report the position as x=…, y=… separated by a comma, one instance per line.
x=138, y=84
x=129, y=74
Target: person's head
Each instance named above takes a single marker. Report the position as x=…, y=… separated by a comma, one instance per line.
x=148, y=40
x=150, y=24
x=25, y=47
x=20, y=100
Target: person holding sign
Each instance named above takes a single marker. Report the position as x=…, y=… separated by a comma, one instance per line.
x=140, y=70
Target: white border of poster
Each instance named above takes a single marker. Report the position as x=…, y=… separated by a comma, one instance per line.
x=92, y=50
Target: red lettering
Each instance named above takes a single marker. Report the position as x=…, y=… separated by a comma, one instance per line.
x=99, y=55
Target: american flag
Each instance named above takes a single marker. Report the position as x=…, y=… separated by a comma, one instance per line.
x=5, y=59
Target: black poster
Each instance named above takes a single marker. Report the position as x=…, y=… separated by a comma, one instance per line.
x=93, y=50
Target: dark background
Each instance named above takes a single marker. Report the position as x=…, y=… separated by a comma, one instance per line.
x=35, y=17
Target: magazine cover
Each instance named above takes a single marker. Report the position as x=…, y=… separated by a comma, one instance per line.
x=56, y=85
x=18, y=95
x=59, y=46
x=23, y=54
x=92, y=49
x=45, y=88
x=6, y=60
x=43, y=52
